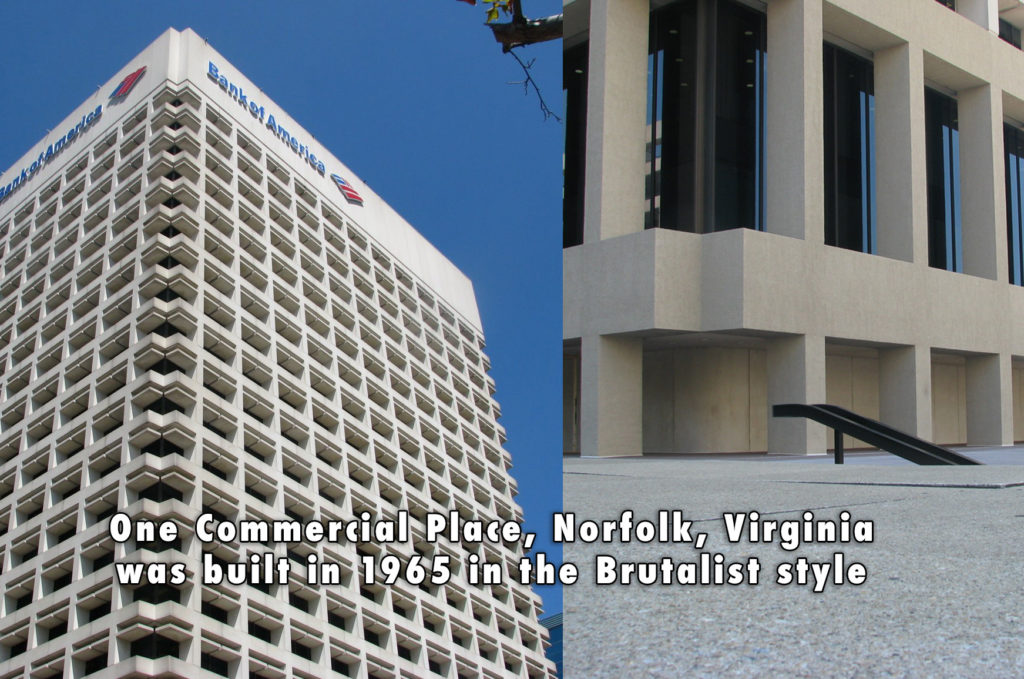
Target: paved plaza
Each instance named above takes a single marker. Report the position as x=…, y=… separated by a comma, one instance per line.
x=943, y=595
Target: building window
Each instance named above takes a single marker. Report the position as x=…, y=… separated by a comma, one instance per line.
x=850, y=210
x=945, y=238
x=739, y=118
x=1013, y=141
x=948, y=3
x=574, y=82
x=1009, y=33
x=671, y=118
x=719, y=163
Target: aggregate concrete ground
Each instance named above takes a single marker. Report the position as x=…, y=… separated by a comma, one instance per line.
x=944, y=595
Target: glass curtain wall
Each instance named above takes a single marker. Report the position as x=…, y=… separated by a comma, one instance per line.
x=671, y=118
x=850, y=190
x=1013, y=143
x=705, y=117
x=945, y=234
x=739, y=118
x=574, y=84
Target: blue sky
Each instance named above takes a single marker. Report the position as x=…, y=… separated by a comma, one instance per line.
x=414, y=96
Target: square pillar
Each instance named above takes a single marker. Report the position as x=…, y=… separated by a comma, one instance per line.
x=794, y=120
x=980, y=112
x=905, y=389
x=989, y=400
x=901, y=163
x=796, y=374
x=985, y=13
x=611, y=396
x=616, y=119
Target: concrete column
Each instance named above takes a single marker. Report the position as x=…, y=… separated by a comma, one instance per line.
x=796, y=374
x=616, y=119
x=989, y=400
x=611, y=396
x=905, y=389
x=985, y=13
x=982, y=189
x=794, y=120
x=900, y=154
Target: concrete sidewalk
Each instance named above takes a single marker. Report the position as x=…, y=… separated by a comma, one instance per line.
x=944, y=595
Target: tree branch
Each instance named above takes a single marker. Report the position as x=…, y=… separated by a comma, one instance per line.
x=528, y=82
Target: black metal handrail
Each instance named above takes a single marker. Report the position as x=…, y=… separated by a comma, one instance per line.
x=873, y=432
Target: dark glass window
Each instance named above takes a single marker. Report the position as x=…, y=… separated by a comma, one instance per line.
x=671, y=118
x=574, y=81
x=739, y=118
x=948, y=3
x=1013, y=142
x=849, y=150
x=1009, y=33
x=945, y=238
x=705, y=117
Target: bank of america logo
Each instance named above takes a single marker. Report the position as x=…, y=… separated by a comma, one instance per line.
x=127, y=84
x=351, y=195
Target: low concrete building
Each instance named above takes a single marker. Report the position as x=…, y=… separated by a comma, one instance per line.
x=792, y=201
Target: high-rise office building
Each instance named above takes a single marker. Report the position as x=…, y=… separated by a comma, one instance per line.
x=791, y=201
x=202, y=311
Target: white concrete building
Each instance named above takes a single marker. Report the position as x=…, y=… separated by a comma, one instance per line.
x=832, y=213
x=203, y=311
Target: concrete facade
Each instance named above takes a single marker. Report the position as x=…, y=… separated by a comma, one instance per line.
x=729, y=323
x=195, y=319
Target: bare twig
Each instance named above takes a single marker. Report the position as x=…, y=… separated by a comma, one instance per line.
x=529, y=82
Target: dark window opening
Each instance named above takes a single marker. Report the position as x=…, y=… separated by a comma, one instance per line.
x=850, y=192
x=171, y=231
x=706, y=117
x=302, y=651
x=161, y=447
x=22, y=601
x=173, y=175
x=165, y=366
x=167, y=295
x=98, y=612
x=95, y=664
x=298, y=602
x=155, y=594
x=174, y=150
x=1009, y=33
x=18, y=648
x=259, y=631
x=371, y=637
x=216, y=472
x=160, y=491
x=212, y=663
x=57, y=630
x=574, y=82
x=175, y=125
x=172, y=202
x=164, y=405
x=168, y=262
x=942, y=144
x=339, y=667
x=167, y=329
x=1013, y=145
x=215, y=612
x=61, y=582
x=672, y=92
x=102, y=560
x=154, y=646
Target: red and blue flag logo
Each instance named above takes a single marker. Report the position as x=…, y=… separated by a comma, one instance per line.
x=351, y=195
x=127, y=84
